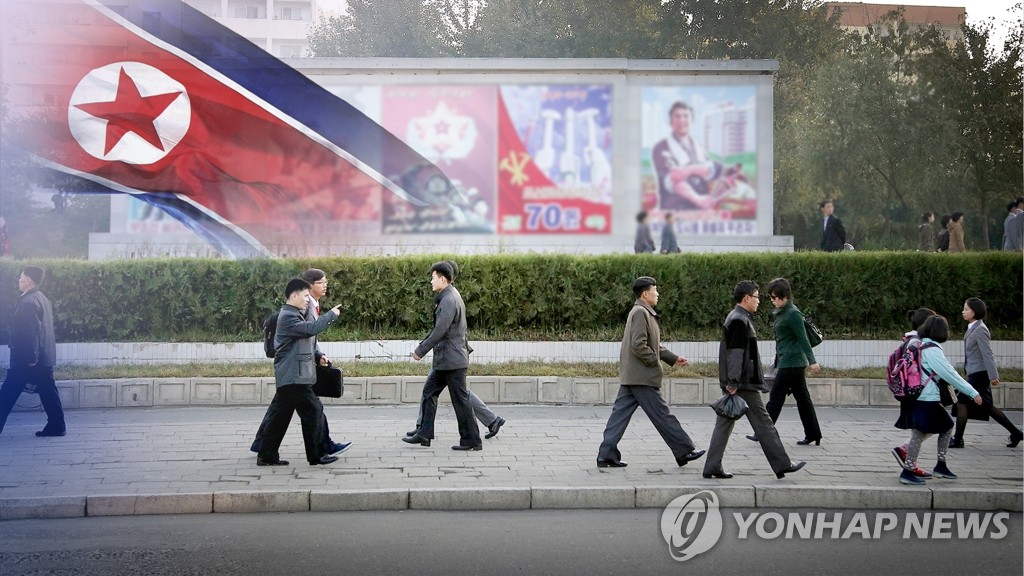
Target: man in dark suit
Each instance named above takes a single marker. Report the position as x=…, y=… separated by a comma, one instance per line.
x=33, y=354
x=833, y=235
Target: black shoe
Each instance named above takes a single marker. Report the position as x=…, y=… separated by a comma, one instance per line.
x=753, y=438
x=1015, y=439
x=461, y=447
x=337, y=449
x=605, y=463
x=693, y=455
x=792, y=468
x=417, y=439
x=492, y=430
x=44, y=432
x=808, y=442
x=413, y=432
x=325, y=459
x=719, y=474
x=955, y=442
x=269, y=462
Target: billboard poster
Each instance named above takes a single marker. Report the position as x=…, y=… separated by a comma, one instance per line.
x=699, y=157
x=554, y=167
x=453, y=127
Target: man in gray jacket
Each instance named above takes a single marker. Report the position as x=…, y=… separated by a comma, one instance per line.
x=295, y=373
x=740, y=373
x=451, y=361
x=640, y=374
x=33, y=354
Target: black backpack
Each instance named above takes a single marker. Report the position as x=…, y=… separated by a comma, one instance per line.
x=269, y=329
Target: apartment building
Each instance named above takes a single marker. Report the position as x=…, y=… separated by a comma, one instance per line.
x=278, y=26
x=858, y=16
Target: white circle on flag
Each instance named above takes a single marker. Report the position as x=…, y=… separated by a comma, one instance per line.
x=101, y=85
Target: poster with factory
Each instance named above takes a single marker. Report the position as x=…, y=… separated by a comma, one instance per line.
x=453, y=128
x=699, y=157
x=554, y=159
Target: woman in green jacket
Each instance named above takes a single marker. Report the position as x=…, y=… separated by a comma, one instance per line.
x=793, y=355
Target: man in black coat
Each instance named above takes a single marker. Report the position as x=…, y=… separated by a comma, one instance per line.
x=33, y=354
x=740, y=373
x=833, y=235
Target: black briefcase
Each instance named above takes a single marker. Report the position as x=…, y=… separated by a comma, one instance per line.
x=330, y=383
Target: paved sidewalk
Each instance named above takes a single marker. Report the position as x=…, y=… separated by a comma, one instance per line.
x=174, y=460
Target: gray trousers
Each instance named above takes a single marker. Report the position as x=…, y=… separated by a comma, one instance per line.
x=761, y=422
x=485, y=415
x=654, y=405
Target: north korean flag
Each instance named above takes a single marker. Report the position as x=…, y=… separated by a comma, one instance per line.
x=155, y=99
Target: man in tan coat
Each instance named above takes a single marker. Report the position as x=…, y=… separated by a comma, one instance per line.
x=640, y=374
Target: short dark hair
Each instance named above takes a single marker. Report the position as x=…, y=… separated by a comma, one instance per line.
x=926, y=216
x=641, y=216
x=944, y=220
x=313, y=274
x=935, y=327
x=956, y=216
x=978, y=307
x=669, y=215
x=443, y=269
x=825, y=201
x=641, y=284
x=917, y=317
x=743, y=289
x=1011, y=206
x=780, y=288
x=34, y=273
x=455, y=269
x=295, y=285
x=677, y=105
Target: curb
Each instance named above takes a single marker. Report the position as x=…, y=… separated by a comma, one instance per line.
x=510, y=498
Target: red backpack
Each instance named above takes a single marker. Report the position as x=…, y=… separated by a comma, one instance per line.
x=904, y=371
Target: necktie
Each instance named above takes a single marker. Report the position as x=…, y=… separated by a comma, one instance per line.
x=317, y=309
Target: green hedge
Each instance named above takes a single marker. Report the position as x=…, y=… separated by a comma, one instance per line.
x=850, y=294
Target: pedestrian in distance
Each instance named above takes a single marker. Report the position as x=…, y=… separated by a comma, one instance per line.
x=956, y=232
x=317, y=280
x=982, y=375
x=295, y=374
x=33, y=349
x=926, y=233
x=1013, y=240
x=942, y=238
x=483, y=413
x=640, y=375
x=740, y=373
x=1009, y=226
x=669, y=244
x=928, y=417
x=451, y=361
x=643, y=243
x=917, y=319
x=793, y=355
x=833, y=234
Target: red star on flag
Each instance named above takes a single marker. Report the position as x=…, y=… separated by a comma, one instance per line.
x=130, y=112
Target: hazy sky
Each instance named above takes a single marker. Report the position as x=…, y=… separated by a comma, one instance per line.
x=977, y=12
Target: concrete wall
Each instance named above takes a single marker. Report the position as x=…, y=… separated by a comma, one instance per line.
x=147, y=392
x=842, y=354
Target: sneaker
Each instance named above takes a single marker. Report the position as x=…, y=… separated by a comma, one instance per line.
x=919, y=473
x=901, y=456
x=908, y=477
x=942, y=471
x=339, y=448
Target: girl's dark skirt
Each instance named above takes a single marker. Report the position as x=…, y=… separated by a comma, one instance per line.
x=979, y=381
x=928, y=417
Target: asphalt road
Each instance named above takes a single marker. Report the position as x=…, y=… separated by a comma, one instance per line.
x=591, y=542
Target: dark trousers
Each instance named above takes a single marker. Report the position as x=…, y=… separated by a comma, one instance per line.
x=794, y=380
x=455, y=381
x=326, y=444
x=654, y=405
x=294, y=398
x=762, y=424
x=42, y=378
